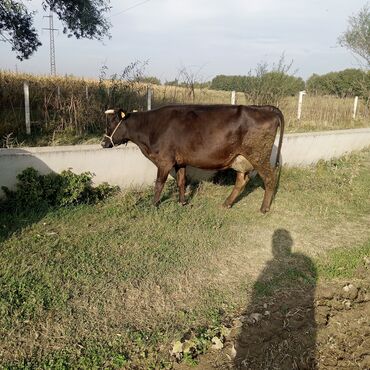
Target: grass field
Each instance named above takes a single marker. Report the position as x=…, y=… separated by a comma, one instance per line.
x=114, y=284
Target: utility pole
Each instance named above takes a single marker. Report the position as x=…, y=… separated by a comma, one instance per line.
x=51, y=29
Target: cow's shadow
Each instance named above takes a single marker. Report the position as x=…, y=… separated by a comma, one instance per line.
x=228, y=178
x=195, y=177
x=222, y=178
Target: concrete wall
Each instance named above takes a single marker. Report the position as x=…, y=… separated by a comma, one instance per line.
x=308, y=148
x=126, y=166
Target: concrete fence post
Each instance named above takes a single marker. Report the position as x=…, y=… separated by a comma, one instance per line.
x=87, y=92
x=149, y=99
x=233, y=97
x=355, y=107
x=27, y=107
x=300, y=100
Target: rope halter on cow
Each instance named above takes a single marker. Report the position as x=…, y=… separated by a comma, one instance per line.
x=111, y=111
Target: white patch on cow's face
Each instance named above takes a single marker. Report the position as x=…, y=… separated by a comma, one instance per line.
x=109, y=111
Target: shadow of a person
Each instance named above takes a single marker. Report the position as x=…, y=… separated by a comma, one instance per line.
x=278, y=328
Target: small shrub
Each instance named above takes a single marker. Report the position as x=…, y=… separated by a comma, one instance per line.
x=34, y=190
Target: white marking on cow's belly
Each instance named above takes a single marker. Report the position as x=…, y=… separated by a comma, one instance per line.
x=241, y=164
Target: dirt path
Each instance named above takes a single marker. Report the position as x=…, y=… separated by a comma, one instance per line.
x=328, y=328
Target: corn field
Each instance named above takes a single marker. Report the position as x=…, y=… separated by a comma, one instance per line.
x=75, y=106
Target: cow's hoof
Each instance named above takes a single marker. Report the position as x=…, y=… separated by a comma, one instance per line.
x=183, y=203
x=264, y=209
x=226, y=205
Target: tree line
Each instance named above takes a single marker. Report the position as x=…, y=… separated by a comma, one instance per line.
x=274, y=81
x=349, y=82
x=345, y=83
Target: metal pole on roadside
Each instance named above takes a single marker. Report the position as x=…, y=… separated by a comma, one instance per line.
x=27, y=107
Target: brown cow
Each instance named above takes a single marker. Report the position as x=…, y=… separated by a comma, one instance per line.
x=212, y=137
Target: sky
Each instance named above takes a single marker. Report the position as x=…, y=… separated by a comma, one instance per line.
x=207, y=37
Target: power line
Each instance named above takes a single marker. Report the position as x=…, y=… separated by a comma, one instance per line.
x=131, y=7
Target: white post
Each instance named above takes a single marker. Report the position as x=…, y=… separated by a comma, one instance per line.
x=232, y=97
x=27, y=107
x=149, y=102
x=300, y=99
x=87, y=92
x=355, y=107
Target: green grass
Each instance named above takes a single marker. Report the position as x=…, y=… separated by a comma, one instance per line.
x=339, y=263
x=113, y=284
x=343, y=262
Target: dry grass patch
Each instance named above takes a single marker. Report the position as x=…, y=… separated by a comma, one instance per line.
x=62, y=113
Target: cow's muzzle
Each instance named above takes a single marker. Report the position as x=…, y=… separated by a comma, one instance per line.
x=105, y=143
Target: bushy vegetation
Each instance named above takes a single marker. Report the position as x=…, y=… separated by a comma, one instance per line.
x=269, y=80
x=264, y=85
x=349, y=82
x=34, y=190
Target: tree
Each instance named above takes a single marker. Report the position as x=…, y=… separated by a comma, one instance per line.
x=357, y=36
x=264, y=85
x=190, y=80
x=80, y=18
x=349, y=82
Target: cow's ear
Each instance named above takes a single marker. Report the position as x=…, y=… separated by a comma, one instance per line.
x=121, y=113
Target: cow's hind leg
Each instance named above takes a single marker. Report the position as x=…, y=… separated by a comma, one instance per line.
x=241, y=180
x=181, y=183
x=267, y=173
x=162, y=175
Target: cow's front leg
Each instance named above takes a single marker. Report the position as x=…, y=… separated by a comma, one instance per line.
x=162, y=175
x=181, y=183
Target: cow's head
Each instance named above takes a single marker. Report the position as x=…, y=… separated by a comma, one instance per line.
x=115, y=128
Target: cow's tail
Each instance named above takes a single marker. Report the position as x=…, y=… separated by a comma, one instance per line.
x=282, y=125
x=278, y=162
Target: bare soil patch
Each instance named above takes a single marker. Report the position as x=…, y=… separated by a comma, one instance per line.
x=294, y=329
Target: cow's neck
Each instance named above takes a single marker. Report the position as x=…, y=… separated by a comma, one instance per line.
x=137, y=134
